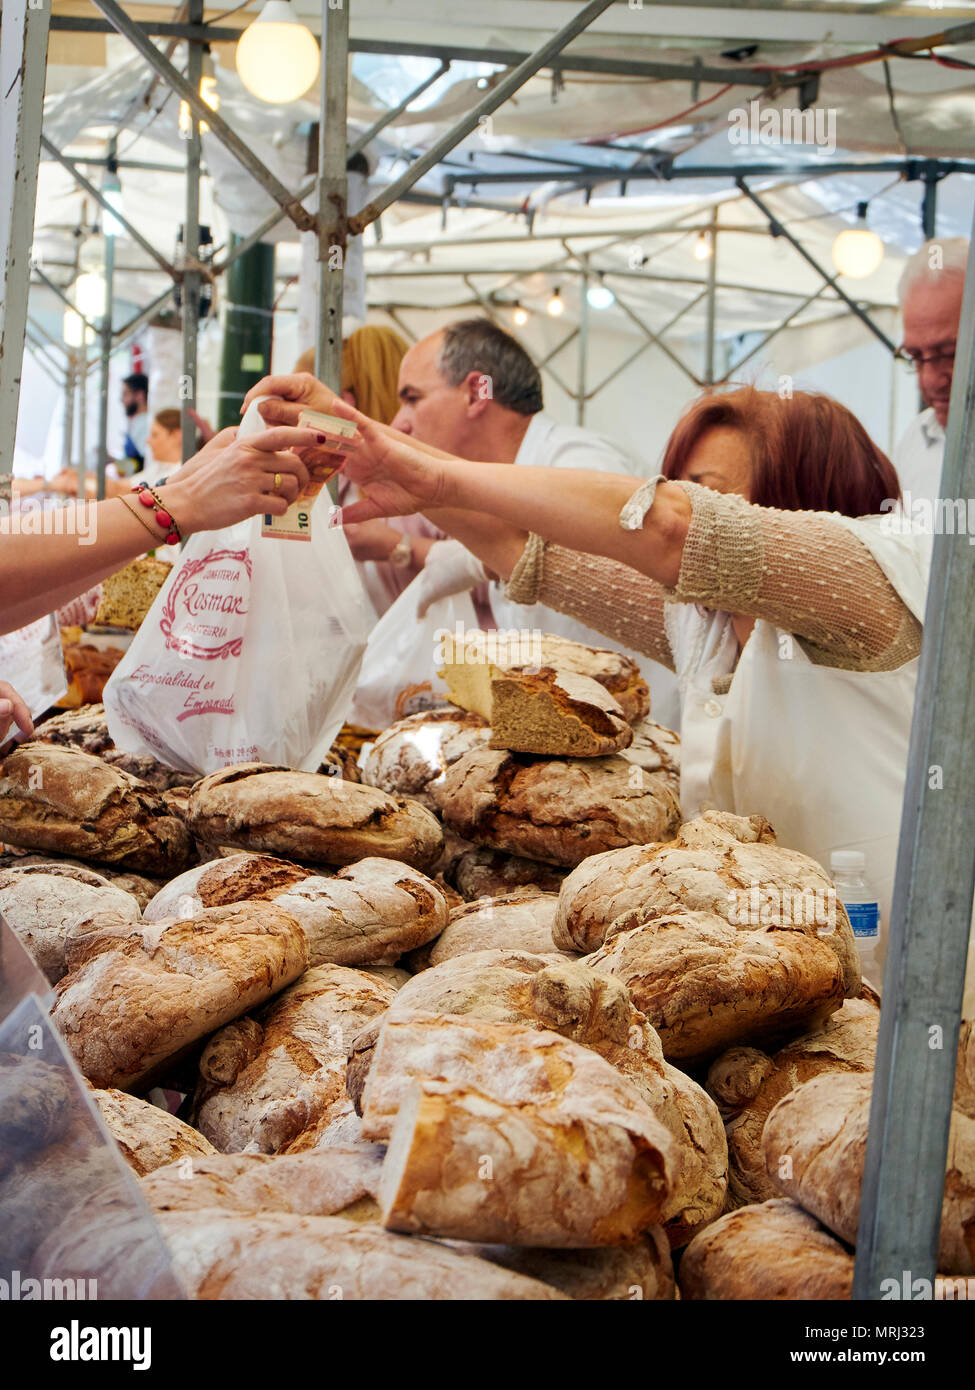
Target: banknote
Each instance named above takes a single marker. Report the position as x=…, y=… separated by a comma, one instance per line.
x=323, y=461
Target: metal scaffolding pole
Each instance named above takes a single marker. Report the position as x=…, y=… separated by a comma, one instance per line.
x=106, y=353
x=495, y=98
x=910, y=1110
x=82, y=369
x=332, y=194
x=23, y=54
x=190, y=303
x=583, y=348
x=712, y=234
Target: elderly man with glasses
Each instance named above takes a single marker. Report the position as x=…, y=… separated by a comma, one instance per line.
x=930, y=292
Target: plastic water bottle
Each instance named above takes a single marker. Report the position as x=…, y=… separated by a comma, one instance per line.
x=859, y=897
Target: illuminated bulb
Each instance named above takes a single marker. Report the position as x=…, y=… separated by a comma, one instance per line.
x=858, y=251
x=277, y=57
x=600, y=297
x=555, y=306
x=520, y=316
x=72, y=329
x=89, y=295
x=703, y=250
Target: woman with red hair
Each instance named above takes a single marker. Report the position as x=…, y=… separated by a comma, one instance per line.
x=760, y=566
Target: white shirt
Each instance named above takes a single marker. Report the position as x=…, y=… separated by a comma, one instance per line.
x=547, y=444
x=919, y=456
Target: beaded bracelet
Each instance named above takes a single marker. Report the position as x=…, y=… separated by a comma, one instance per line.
x=140, y=516
x=165, y=519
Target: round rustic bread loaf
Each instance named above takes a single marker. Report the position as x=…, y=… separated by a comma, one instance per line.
x=368, y=912
x=512, y=923
x=718, y=863
x=487, y=873
x=748, y=1083
x=643, y=1270
x=588, y=1008
x=413, y=754
x=814, y=1145
x=705, y=985
x=655, y=748
x=266, y=1078
x=314, y=818
x=555, y=810
x=137, y=995
x=772, y=1251
x=68, y=802
x=148, y=1136
x=43, y=903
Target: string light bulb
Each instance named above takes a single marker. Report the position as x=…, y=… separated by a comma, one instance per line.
x=520, y=315
x=555, y=307
x=278, y=58
x=857, y=252
x=703, y=250
x=600, y=296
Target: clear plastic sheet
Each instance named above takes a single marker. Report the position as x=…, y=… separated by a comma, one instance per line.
x=73, y=1221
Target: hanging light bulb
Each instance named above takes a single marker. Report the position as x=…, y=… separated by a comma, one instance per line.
x=556, y=305
x=209, y=93
x=600, y=296
x=858, y=251
x=277, y=56
x=520, y=315
x=703, y=250
x=112, y=193
x=89, y=295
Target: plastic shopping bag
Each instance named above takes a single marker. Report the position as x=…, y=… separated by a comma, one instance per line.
x=32, y=661
x=250, y=652
x=399, y=670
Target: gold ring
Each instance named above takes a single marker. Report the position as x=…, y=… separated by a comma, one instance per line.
x=277, y=481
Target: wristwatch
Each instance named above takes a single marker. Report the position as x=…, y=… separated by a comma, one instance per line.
x=402, y=553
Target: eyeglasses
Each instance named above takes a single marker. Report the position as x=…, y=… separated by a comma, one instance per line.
x=938, y=360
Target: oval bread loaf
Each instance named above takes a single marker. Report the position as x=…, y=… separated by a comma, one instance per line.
x=412, y=755
x=44, y=902
x=314, y=818
x=148, y=1136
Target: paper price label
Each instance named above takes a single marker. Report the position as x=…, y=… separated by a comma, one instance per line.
x=323, y=461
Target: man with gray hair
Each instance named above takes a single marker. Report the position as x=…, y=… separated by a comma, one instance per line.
x=930, y=291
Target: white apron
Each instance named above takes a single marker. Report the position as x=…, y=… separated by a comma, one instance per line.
x=822, y=753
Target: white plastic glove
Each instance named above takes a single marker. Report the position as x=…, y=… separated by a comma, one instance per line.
x=450, y=569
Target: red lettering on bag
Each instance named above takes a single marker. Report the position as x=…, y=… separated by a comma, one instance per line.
x=200, y=587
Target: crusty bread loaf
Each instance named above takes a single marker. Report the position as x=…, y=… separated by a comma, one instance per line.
x=323, y=820
x=555, y=713
x=488, y=873
x=129, y=593
x=334, y=1182
x=513, y=923
x=591, y=1009
x=718, y=863
x=142, y=889
x=525, y=1138
x=556, y=810
x=340, y=1127
x=704, y=985
x=471, y=662
x=85, y=728
x=369, y=912
x=412, y=755
x=43, y=903
x=772, y=1251
x=138, y=996
x=655, y=748
x=814, y=1145
x=748, y=1083
x=643, y=1270
x=148, y=1136
x=68, y=802
x=221, y=1254
x=265, y=1079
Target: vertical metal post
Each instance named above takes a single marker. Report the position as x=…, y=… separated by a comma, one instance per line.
x=83, y=411
x=191, y=245
x=929, y=205
x=106, y=354
x=910, y=1111
x=711, y=300
x=23, y=59
x=332, y=192
x=583, y=344
x=67, y=434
